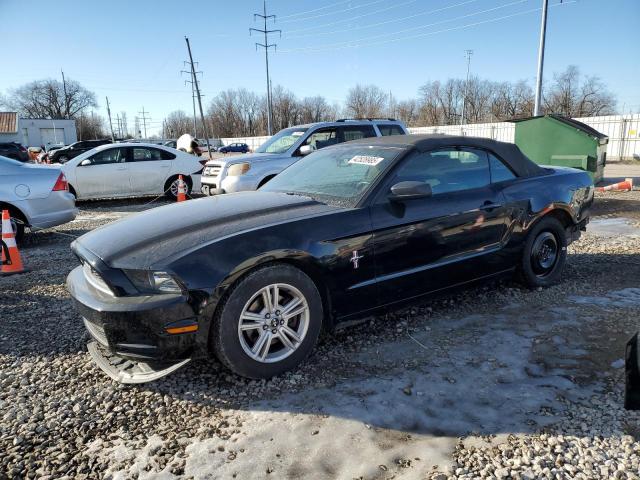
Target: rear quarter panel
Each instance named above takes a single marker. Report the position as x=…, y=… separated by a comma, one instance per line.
x=530, y=199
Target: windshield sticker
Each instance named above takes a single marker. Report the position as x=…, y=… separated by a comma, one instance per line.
x=366, y=160
x=296, y=134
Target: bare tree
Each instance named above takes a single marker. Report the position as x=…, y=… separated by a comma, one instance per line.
x=512, y=101
x=572, y=96
x=91, y=127
x=47, y=99
x=177, y=123
x=368, y=101
x=315, y=109
x=408, y=111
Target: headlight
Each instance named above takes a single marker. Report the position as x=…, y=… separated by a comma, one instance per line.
x=238, y=169
x=153, y=282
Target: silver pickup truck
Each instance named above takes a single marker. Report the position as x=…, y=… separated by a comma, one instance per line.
x=252, y=170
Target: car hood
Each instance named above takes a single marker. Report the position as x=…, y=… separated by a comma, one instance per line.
x=250, y=157
x=145, y=239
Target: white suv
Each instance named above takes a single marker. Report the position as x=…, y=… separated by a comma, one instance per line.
x=251, y=171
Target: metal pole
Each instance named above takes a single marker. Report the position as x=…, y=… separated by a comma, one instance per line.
x=113, y=138
x=266, y=61
x=193, y=72
x=468, y=53
x=543, y=32
x=66, y=101
x=193, y=100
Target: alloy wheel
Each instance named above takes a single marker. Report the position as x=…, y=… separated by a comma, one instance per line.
x=544, y=254
x=273, y=323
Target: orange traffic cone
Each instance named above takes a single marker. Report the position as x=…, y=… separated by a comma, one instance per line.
x=182, y=189
x=11, y=261
x=625, y=186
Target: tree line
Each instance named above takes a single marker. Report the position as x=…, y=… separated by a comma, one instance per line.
x=242, y=113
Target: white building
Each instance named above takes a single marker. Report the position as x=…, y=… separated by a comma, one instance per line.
x=35, y=132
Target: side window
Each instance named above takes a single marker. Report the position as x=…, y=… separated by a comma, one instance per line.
x=146, y=154
x=357, y=131
x=323, y=137
x=390, y=129
x=448, y=170
x=166, y=155
x=499, y=171
x=109, y=156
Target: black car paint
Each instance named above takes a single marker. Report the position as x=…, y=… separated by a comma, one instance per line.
x=208, y=244
x=75, y=149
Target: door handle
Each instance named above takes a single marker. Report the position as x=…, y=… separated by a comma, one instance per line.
x=488, y=206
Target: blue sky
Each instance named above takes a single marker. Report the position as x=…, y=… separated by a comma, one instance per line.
x=132, y=51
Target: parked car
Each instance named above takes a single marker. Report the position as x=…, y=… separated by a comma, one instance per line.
x=64, y=154
x=254, y=277
x=14, y=150
x=170, y=143
x=131, y=169
x=234, y=147
x=248, y=172
x=37, y=196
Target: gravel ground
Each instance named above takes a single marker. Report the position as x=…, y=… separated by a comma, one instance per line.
x=491, y=382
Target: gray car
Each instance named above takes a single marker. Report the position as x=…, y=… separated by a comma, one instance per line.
x=37, y=196
x=251, y=171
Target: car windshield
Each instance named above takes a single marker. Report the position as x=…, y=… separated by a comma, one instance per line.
x=336, y=175
x=281, y=141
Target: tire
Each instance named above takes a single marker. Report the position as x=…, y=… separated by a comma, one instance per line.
x=18, y=227
x=63, y=159
x=171, y=187
x=232, y=345
x=545, y=254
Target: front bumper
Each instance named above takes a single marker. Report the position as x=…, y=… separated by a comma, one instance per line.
x=133, y=327
x=218, y=185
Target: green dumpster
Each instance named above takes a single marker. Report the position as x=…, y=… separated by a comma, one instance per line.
x=561, y=141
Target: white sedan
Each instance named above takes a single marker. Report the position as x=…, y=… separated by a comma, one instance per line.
x=130, y=170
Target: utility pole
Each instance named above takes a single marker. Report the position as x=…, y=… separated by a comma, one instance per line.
x=66, y=99
x=266, y=47
x=193, y=95
x=144, y=121
x=195, y=80
x=119, y=125
x=468, y=54
x=113, y=138
x=537, y=110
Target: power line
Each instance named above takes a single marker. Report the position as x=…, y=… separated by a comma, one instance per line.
x=315, y=9
x=337, y=11
x=419, y=27
x=371, y=25
x=266, y=45
x=347, y=45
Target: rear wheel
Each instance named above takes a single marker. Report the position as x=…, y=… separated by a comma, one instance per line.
x=545, y=254
x=269, y=323
x=172, y=185
x=63, y=159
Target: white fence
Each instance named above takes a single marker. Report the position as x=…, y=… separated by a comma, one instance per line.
x=623, y=132
x=253, y=142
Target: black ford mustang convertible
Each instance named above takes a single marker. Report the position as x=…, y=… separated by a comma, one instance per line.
x=253, y=277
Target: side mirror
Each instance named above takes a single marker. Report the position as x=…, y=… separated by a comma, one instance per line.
x=85, y=162
x=306, y=150
x=403, y=191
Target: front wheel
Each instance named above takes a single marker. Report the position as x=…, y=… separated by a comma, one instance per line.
x=269, y=323
x=545, y=254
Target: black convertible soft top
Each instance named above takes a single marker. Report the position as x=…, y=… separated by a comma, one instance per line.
x=509, y=152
